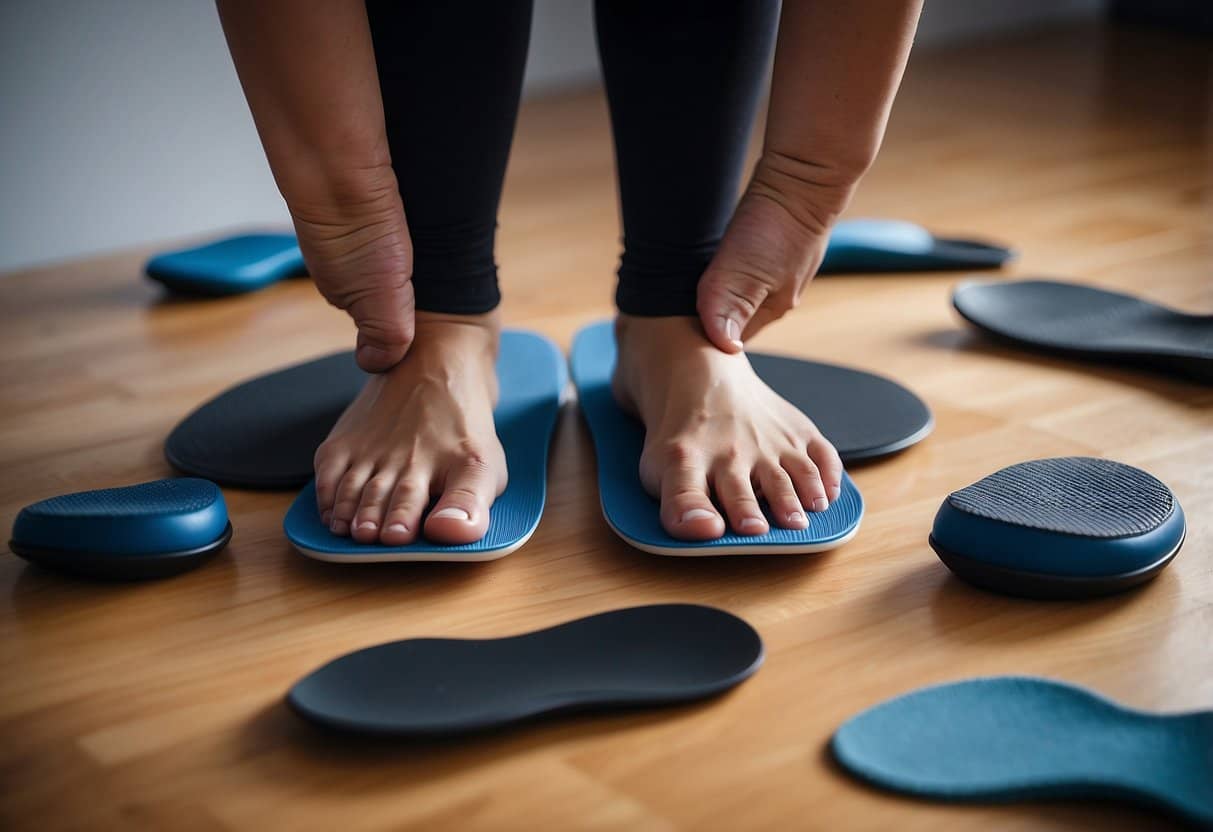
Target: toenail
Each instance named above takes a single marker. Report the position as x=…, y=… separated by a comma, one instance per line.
x=795, y=517
x=752, y=523
x=339, y=527
x=695, y=514
x=398, y=527
x=453, y=513
x=367, y=524
x=821, y=504
x=326, y=518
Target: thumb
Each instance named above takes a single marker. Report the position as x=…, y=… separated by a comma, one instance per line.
x=385, y=327
x=727, y=300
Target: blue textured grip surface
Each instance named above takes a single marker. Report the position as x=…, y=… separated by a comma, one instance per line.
x=877, y=245
x=150, y=518
x=1017, y=738
x=618, y=442
x=1069, y=516
x=229, y=266
x=532, y=375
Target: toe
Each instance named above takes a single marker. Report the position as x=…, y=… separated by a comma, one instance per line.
x=686, y=510
x=828, y=463
x=348, y=496
x=736, y=494
x=402, y=519
x=807, y=481
x=368, y=519
x=461, y=514
x=780, y=494
x=330, y=464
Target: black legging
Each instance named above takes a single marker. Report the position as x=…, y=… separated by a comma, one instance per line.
x=683, y=81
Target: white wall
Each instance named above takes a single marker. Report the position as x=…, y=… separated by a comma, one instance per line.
x=122, y=122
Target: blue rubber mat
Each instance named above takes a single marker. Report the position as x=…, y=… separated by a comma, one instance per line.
x=871, y=245
x=532, y=377
x=230, y=266
x=1015, y=738
x=634, y=515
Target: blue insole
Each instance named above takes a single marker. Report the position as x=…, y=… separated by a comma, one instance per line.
x=532, y=377
x=229, y=266
x=879, y=245
x=1015, y=738
x=147, y=530
x=1062, y=527
x=653, y=655
x=634, y=515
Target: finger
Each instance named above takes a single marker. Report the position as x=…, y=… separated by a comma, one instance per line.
x=349, y=495
x=727, y=300
x=736, y=495
x=461, y=514
x=829, y=465
x=686, y=509
x=807, y=481
x=368, y=519
x=780, y=494
x=402, y=521
x=384, y=318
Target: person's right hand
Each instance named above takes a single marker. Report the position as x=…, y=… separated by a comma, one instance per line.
x=357, y=249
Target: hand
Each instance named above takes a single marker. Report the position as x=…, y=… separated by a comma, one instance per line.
x=772, y=249
x=357, y=248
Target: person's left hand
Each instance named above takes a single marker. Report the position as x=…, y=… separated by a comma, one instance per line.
x=771, y=251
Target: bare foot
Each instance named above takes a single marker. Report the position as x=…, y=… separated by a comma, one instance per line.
x=423, y=429
x=713, y=428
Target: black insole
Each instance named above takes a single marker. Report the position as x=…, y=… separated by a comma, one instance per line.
x=1084, y=322
x=264, y=433
x=654, y=655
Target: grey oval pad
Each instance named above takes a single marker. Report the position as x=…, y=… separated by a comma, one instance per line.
x=652, y=655
x=1084, y=322
x=264, y=432
x=1018, y=738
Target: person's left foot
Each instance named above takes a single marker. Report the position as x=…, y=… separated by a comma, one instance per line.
x=714, y=428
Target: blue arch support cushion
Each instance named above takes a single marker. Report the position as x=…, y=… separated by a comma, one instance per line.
x=532, y=377
x=229, y=266
x=880, y=245
x=635, y=516
x=426, y=687
x=149, y=530
x=1060, y=528
x=1015, y=738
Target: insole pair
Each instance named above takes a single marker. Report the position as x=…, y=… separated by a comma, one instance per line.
x=246, y=263
x=264, y=433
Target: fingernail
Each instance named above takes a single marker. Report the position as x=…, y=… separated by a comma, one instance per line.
x=821, y=504
x=695, y=514
x=796, y=517
x=452, y=513
x=732, y=331
x=398, y=527
x=751, y=523
x=367, y=524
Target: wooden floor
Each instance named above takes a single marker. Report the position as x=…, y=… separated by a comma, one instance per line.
x=160, y=706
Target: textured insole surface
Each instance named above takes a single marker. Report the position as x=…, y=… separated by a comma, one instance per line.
x=144, y=530
x=1063, y=527
x=651, y=655
x=1016, y=738
x=531, y=374
x=876, y=245
x=1085, y=322
x=619, y=439
x=229, y=266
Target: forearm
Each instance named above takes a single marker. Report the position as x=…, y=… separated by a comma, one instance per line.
x=837, y=69
x=308, y=72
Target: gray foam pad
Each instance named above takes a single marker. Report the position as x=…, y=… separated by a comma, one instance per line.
x=1084, y=322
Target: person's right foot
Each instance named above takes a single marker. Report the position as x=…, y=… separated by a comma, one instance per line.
x=423, y=429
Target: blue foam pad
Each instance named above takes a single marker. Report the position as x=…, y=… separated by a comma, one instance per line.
x=145, y=530
x=634, y=515
x=873, y=245
x=230, y=266
x=1063, y=527
x=532, y=376
x=1015, y=738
